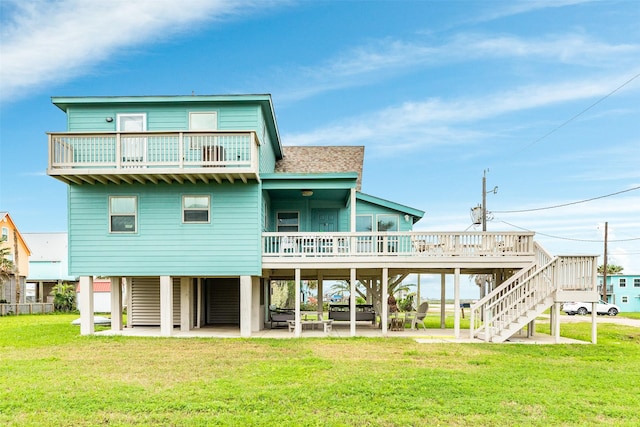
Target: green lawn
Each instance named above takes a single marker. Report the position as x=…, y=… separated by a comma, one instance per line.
x=52, y=376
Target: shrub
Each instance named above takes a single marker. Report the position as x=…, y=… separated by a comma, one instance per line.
x=64, y=297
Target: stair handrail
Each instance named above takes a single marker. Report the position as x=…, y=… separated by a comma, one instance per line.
x=542, y=260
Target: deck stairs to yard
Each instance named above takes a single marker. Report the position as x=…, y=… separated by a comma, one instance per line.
x=524, y=296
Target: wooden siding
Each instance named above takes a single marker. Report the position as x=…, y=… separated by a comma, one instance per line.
x=267, y=153
x=163, y=245
x=91, y=118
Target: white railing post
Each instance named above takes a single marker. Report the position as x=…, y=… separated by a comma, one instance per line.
x=118, y=151
x=181, y=150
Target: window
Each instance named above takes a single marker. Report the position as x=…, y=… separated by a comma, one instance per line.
x=195, y=209
x=364, y=223
x=265, y=215
x=123, y=214
x=636, y=283
x=5, y=233
x=288, y=222
x=387, y=222
x=622, y=283
x=204, y=120
x=625, y=299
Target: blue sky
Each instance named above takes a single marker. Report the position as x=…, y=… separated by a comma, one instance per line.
x=542, y=94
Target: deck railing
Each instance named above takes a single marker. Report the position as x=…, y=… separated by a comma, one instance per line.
x=186, y=149
x=397, y=243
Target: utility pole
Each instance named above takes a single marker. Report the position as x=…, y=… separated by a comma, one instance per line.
x=604, y=265
x=484, y=201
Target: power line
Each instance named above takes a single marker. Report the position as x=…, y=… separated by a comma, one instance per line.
x=579, y=114
x=569, y=238
x=571, y=203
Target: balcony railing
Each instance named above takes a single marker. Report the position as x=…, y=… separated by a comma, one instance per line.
x=167, y=150
x=277, y=245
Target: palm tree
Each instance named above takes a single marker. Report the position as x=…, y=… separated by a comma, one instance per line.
x=7, y=268
x=611, y=269
x=373, y=289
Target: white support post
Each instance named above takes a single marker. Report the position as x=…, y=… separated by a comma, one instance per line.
x=186, y=302
x=320, y=295
x=116, y=303
x=556, y=321
x=199, y=303
x=456, y=302
x=128, y=284
x=166, y=306
x=418, y=296
x=352, y=302
x=443, y=300
x=257, y=322
x=86, y=305
x=353, y=210
x=385, y=297
x=246, y=287
x=298, y=318
x=594, y=325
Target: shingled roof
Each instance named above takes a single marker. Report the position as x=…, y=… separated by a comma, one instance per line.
x=323, y=159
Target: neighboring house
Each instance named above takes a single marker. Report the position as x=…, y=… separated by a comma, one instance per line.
x=624, y=291
x=195, y=202
x=13, y=287
x=48, y=264
x=101, y=296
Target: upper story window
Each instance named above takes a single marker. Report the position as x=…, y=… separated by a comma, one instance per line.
x=288, y=222
x=636, y=283
x=195, y=209
x=123, y=214
x=387, y=222
x=623, y=283
x=5, y=233
x=364, y=223
x=203, y=120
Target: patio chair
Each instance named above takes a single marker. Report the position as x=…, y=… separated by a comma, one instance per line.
x=418, y=319
x=287, y=244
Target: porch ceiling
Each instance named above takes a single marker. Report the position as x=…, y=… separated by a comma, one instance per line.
x=341, y=194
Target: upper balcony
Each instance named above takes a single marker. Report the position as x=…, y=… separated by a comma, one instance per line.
x=154, y=156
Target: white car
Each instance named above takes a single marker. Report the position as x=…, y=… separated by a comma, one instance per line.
x=583, y=308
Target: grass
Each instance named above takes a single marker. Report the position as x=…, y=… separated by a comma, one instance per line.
x=53, y=376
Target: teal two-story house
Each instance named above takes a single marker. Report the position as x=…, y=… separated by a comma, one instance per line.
x=195, y=205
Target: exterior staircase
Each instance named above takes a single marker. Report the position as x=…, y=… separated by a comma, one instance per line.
x=527, y=294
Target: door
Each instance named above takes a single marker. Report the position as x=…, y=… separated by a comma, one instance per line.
x=324, y=220
x=134, y=148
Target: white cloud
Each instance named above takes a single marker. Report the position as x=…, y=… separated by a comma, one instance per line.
x=364, y=65
x=525, y=6
x=49, y=42
x=435, y=121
